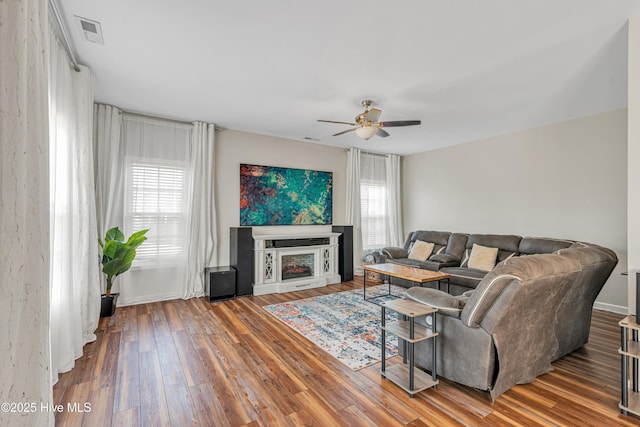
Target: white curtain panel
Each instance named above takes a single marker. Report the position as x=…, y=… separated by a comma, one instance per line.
x=157, y=175
x=108, y=157
x=24, y=211
x=394, y=200
x=75, y=283
x=202, y=224
x=352, y=214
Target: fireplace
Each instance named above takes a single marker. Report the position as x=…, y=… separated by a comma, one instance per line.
x=297, y=266
x=285, y=263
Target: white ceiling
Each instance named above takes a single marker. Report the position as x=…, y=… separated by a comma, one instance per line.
x=468, y=69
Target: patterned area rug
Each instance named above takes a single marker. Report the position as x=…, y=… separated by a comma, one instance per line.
x=342, y=324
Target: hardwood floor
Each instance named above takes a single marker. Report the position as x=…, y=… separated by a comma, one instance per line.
x=230, y=363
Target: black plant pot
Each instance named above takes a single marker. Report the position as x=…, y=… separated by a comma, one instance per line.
x=108, y=306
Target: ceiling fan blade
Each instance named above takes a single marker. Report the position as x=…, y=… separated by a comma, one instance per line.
x=341, y=123
x=383, y=133
x=396, y=123
x=372, y=115
x=344, y=131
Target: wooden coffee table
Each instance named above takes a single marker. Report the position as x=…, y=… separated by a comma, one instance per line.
x=413, y=274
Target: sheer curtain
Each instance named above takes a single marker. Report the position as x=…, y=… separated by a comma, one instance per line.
x=158, y=174
x=352, y=215
x=374, y=207
x=156, y=194
x=394, y=200
x=202, y=224
x=75, y=286
x=24, y=232
x=108, y=157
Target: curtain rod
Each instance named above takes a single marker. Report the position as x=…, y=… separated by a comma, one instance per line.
x=65, y=39
x=149, y=116
x=371, y=153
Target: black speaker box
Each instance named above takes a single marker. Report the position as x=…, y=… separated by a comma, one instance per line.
x=241, y=258
x=345, y=251
x=220, y=283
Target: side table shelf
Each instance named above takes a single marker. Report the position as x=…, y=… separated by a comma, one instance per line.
x=405, y=375
x=630, y=352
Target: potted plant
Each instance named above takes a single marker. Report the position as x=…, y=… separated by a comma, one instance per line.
x=117, y=256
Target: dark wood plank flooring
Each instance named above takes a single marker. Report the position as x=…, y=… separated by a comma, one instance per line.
x=230, y=363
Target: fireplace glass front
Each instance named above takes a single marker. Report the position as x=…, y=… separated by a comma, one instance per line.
x=297, y=266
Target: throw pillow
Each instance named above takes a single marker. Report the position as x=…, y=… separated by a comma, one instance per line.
x=421, y=251
x=482, y=258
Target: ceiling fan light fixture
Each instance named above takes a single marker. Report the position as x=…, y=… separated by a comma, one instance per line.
x=366, y=132
x=367, y=124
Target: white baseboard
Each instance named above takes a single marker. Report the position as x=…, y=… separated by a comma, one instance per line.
x=147, y=299
x=620, y=309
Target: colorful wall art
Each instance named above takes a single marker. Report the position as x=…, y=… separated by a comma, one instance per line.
x=272, y=195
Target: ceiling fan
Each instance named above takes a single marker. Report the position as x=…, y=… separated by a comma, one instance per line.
x=368, y=125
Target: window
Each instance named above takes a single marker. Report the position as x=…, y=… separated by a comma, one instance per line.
x=373, y=202
x=157, y=197
x=374, y=219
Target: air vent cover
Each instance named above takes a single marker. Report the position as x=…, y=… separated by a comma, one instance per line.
x=90, y=30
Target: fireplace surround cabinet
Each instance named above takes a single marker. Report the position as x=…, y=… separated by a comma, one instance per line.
x=285, y=263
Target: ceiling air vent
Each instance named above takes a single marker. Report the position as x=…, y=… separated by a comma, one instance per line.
x=91, y=31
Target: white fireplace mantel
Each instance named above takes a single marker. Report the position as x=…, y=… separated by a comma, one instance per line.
x=268, y=255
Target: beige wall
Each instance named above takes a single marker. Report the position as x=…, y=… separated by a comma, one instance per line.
x=567, y=180
x=234, y=147
x=634, y=159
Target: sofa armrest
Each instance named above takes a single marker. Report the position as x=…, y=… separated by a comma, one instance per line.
x=446, y=304
x=379, y=257
x=394, y=252
x=438, y=261
x=449, y=259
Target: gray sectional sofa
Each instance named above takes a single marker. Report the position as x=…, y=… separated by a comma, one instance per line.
x=451, y=253
x=532, y=308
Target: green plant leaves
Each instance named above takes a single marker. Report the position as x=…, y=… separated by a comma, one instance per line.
x=137, y=238
x=118, y=255
x=111, y=268
x=114, y=234
x=110, y=248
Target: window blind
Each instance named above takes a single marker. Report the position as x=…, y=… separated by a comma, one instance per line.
x=156, y=201
x=373, y=210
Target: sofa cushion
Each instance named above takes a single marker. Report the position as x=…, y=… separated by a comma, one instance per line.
x=438, y=238
x=421, y=251
x=507, y=245
x=482, y=257
x=456, y=245
x=445, y=303
x=541, y=245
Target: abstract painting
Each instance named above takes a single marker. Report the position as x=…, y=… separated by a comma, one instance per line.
x=271, y=195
